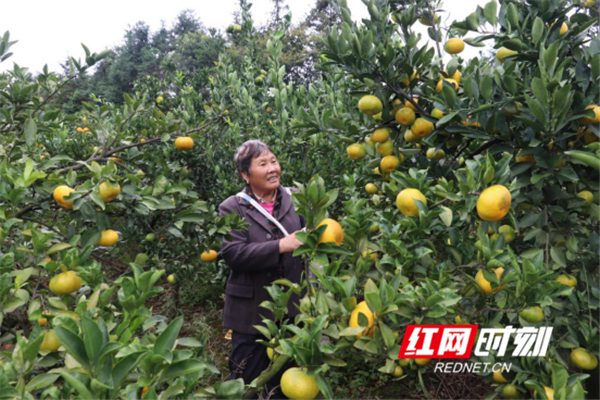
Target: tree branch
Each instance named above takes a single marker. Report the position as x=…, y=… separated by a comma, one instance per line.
x=128, y=146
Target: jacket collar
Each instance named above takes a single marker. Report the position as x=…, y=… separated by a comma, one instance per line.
x=286, y=205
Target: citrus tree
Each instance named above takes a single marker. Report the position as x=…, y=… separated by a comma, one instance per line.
x=81, y=200
x=480, y=191
x=436, y=190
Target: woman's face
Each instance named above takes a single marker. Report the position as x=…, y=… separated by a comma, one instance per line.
x=265, y=172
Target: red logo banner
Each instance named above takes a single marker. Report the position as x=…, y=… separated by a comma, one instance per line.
x=438, y=341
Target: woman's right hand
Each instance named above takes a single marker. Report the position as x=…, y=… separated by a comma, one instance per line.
x=289, y=244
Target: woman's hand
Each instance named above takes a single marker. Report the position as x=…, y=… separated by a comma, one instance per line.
x=289, y=244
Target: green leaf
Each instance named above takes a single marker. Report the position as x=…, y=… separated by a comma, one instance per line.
x=486, y=87
x=512, y=15
x=551, y=57
x=58, y=247
x=30, y=131
x=167, y=338
x=539, y=90
x=490, y=12
x=232, y=389
x=473, y=21
x=558, y=256
x=40, y=382
x=93, y=338
x=74, y=345
x=536, y=109
x=124, y=367
x=538, y=30
x=77, y=385
x=510, y=83
x=98, y=200
x=446, y=216
x=449, y=94
x=13, y=304
x=559, y=376
x=446, y=118
x=324, y=386
x=160, y=186
x=189, y=342
x=183, y=368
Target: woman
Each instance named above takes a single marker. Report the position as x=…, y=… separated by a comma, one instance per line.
x=256, y=257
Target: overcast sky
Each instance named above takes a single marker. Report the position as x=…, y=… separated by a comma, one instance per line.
x=50, y=31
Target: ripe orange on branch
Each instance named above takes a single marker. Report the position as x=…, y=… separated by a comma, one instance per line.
x=454, y=46
x=184, y=143
x=65, y=283
x=584, y=359
x=296, y=384
x=406, y=202
x=503, y=52
x=208, y=256
x=386, y=148
x=107, y=192
x=380, y=135
x=494, y=203
x=440, y=84
x=484, y=285
x=370, y=105
x=422, y=127
x=363, y=308
x=389, y=163
x=333, y=232
x=596, y=118
x=108, y=238
x=356, y=151
x=50, y=342
x=405, y=116
x=59, y=196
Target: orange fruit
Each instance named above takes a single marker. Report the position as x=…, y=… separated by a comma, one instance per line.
x=584, y=359
x=184, y=143
x=297, y=384
x=363, y=308
x=389, y=163
x=504, y=52
x=59, y=196
x=410, y=105
x=386, y=148
x=441, y=84
x=437, y=113
x=454, y=46
x=411, y=137
x=65, y=283
x=494, y=203
x=456, y=76
x=484, y=285
x=406, y=202
x=422, y=127
x=50, y=342
x=107, y=192
x=371, y=188
x=333, y=232
x=108, y=238
x=208, y=256
x=370, y=105
x=596, y=119
x=433, y=153
x=405, y=116
x=356, y=151
x=380, y=135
